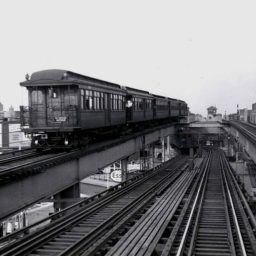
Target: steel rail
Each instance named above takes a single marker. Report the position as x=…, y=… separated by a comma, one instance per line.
x=245, y=131
x=87, y=202
x=231, y=237
x=30, y=164
x=247, y=219
x=170, y=241
x=180, y=207
x=96, y=147
x=241, y=242
x=200, y=208
x=76, y=248
x=21, y=156
x=247, y=208
x=16, y=152
x=213, y=181
x=253, y=126
x=113, y=234
x=59, y=225
x=183, y=240
x=133, y=243
x=99, y=229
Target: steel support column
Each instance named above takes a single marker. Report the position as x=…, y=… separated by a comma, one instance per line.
x=124, y=165
x=67, y=197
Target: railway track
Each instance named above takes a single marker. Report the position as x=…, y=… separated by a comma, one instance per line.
x=170, y=211
x=21, y=165
x=247, y=129
x=209, y=217
x=13, y=158
x=252, y=172
x=14, y=166
x=16, y=153
x=216, y=224
x=79, y=229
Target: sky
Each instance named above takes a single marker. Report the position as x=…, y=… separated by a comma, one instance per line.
x=203, y=52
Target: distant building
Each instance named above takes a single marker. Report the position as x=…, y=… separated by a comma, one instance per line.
x=191, y=117
x=253, y=117
x=243, y=114
x=198, y=117
x=252, y=114
x=12, y=115
x=11, y=136
x=232, y=116
x=219, y=117
x=1, y=111
x=211, y=111
x=254, y=107
x=212, y=114
x=194, y=117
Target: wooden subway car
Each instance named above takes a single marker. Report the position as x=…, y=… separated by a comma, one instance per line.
x=64, y=107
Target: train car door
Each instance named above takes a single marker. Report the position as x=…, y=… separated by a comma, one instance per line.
x=129, y=108
x=55, y=106
x=70, y=105
x=38, y=107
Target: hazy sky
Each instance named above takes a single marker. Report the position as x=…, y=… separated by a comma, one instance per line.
x=203, y=52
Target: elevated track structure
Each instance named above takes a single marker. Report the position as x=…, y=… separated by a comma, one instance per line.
x=28, y=179
x=170, y=210
x=245, y=134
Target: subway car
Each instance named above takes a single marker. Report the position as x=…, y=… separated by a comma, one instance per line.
x=66, y=109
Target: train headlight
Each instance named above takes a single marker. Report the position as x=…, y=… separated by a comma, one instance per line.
x=66, y=142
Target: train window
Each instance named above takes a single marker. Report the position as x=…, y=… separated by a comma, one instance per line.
x=141, y=107
x=138, y=104
x=37, y=96
x=114, y=101
x=120, y=102
x=129, y=104
x=96, y=100
x=135, y=104
x=106, y=101
x=54, y=94
x=82, y=99
x=123, y=104
x=88, y=100
x=101, y=101
x=149, y=104
x=111, y=102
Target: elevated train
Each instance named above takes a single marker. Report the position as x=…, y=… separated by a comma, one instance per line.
x=66, y=108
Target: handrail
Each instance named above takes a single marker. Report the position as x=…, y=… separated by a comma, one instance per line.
x=234, y=214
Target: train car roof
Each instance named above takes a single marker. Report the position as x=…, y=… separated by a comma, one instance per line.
x=58, y=77
x=158, y=96
x=131, y=90
x=172, y=99
x=183, y=101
